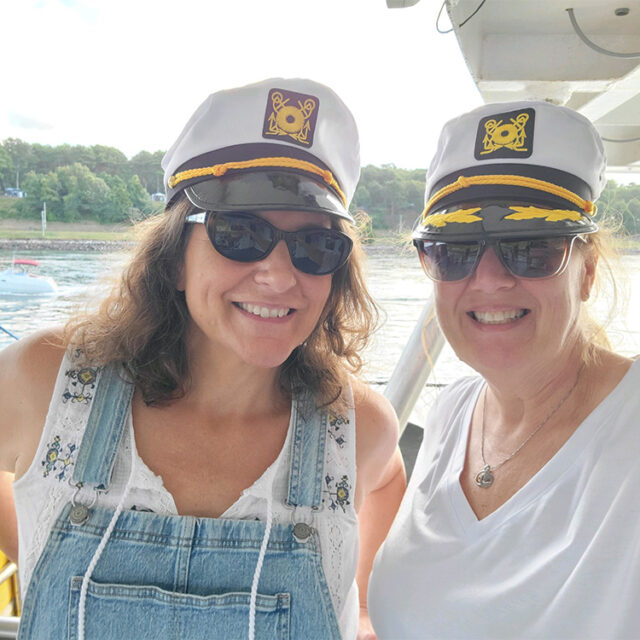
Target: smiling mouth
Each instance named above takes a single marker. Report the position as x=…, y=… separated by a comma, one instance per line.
x=264, y=312
x=498, y=317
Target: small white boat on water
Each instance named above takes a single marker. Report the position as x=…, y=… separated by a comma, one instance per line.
x=19, y=280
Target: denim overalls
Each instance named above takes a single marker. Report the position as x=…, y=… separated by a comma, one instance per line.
x=180, y=577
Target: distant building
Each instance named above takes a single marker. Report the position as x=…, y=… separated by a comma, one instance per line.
x=12, y=192
x=158, y=197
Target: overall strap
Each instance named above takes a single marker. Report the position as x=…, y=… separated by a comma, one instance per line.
x=109, y=410
x=307, y=454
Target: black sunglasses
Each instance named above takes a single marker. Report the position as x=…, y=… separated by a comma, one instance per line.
x=533, y=258
x=245, y=237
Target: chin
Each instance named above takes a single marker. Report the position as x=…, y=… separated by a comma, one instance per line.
x=267, y=358
x=494, y=358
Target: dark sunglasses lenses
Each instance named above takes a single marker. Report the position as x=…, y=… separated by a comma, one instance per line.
x=248, y=238
x=318, y=252
x=240, y=238
x=526, y=258
x=448, y=261
x=540, y=258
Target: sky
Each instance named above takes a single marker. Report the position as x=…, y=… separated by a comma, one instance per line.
x=129, y=73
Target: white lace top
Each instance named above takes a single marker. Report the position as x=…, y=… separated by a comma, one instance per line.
x=46, y=488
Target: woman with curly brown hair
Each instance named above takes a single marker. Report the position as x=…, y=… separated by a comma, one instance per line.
x=186, y=456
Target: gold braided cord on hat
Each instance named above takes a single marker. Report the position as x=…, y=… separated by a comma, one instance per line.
x=218, y=170
x=509, y=180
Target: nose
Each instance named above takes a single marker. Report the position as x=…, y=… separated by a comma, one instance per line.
x=276, y=270
x=490, y=274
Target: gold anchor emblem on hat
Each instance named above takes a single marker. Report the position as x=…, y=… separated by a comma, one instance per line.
x=286, y=119
x=500, y=134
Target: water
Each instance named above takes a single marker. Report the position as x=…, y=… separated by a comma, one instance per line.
x=395, y=278
x=78, y=276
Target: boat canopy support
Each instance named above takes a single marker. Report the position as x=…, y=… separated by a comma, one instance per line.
x=415, y=364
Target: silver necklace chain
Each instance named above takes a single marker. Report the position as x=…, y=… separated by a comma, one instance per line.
x=485, y=477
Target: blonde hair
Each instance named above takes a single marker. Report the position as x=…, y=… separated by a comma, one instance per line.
x=143, y=322
x=600, y=247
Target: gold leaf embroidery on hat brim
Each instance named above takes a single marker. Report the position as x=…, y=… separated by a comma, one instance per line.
x=461, y=215
x=551, y=215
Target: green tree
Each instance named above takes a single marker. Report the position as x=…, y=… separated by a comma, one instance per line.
x=617, y=207
x=362, y=197
x=40, y=189
x=393, y=197
x=109, y=160
x=147, y=167
x=84, y=195
x=76, y=154
x=20, y=153
x=7, y=174
x=120, y=201
x=631, y=217
x=45, y=158
x=139, y=196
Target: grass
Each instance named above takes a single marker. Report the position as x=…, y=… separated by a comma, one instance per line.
x=72, y=234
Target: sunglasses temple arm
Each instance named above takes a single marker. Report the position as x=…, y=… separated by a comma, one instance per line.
x=199, y=217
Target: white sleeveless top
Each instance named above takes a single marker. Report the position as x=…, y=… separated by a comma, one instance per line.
x=46, y=488
x=560, y=559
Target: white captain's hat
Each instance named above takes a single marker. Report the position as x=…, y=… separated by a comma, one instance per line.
x=526, y=168
x=288, y=144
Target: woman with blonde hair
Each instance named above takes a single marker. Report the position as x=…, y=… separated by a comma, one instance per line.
x=186, y=456
x=521, y=516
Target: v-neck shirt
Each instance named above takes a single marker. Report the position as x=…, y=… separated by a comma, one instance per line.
x=559, y=559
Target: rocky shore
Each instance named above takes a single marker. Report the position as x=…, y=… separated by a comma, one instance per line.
x=106, y=246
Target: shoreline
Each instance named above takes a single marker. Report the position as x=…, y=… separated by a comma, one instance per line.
x=39, y=244
x=384, y=244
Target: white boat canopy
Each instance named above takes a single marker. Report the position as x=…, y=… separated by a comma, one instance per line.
x=583, y=54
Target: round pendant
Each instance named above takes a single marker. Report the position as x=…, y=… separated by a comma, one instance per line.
x=485, y=478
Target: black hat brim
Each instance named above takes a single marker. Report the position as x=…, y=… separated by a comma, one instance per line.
x=266, y=190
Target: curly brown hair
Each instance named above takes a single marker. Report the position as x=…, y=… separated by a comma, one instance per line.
x=143, y=322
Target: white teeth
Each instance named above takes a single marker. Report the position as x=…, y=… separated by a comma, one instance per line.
x=498, y=317
x=263, y=312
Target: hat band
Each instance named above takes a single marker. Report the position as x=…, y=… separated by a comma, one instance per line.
x=219, y=170
x=509, y=180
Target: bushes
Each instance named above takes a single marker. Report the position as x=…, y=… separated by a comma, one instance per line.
x=9, y=208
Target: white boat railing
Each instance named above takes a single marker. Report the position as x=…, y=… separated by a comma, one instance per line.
x=8, y=627
x=8, y=624
x=415, y=364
